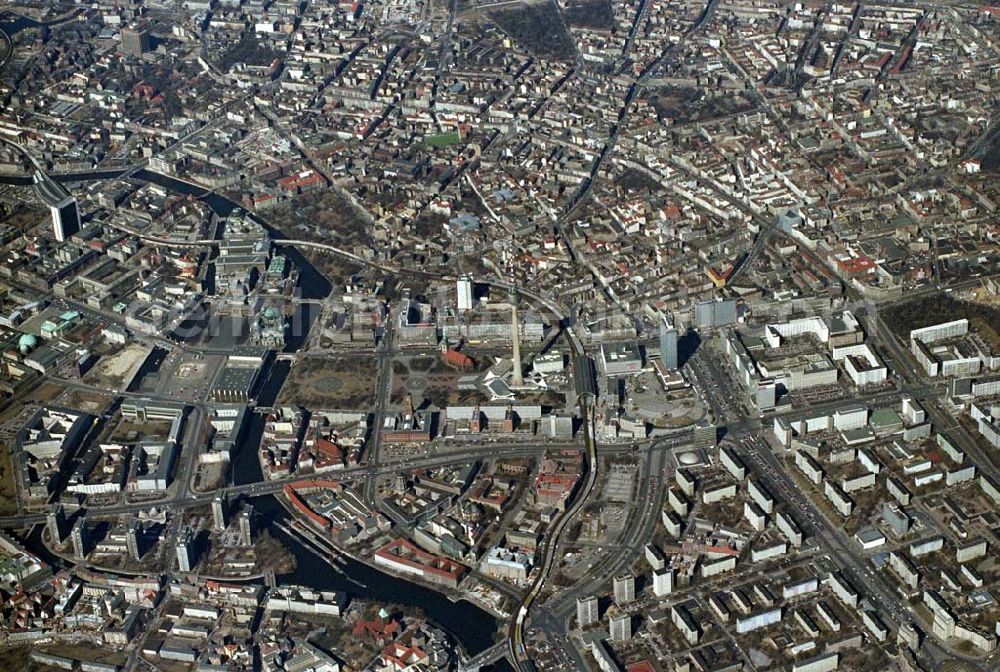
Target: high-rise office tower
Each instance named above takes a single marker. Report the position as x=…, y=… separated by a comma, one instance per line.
x=65, y=218
x=668, y=345
x=135, y=41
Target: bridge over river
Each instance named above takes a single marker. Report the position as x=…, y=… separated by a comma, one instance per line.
x=487, y=657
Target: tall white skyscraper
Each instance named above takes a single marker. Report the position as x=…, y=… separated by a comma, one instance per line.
x=219, y=514
x=81, y=539
x=586, y=611
x=185, y=542
x=624, y=588
x=620, y=627
x=132, y=533
x=55, y=522
x=663, y=582
x=464, y=288
x=245, y=522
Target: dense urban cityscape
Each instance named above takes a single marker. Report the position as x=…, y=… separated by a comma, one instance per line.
x=531, y=335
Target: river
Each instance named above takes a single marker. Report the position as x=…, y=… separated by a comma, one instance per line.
x=469, y=624
x=473, y=627
x=11, y=27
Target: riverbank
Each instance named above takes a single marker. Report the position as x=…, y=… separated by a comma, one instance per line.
x=474, y=628
x=6, y=48
x=303, y=528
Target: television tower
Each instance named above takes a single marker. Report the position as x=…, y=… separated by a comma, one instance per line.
x=517, y=379
x=515, y=334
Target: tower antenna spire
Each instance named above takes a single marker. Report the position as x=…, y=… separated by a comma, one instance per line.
x=515, y=335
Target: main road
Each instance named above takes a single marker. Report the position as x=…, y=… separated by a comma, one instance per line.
x=556, y=613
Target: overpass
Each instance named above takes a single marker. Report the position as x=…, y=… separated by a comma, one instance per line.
x=518, y=652
x=273, y=487
x=49, y=191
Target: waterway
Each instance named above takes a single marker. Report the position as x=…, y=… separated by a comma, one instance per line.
x=474, y=628
x=11, y=27
x=469, y=624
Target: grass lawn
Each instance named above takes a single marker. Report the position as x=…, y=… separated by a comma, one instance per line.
x=444, y=139
x=325, y=382
x=8, y=487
